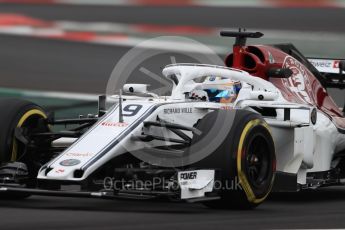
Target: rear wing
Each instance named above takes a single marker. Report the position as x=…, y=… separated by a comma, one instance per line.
x=333, y=71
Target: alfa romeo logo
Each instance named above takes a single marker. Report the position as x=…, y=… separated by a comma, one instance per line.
x=299, y=82
x=70, y=162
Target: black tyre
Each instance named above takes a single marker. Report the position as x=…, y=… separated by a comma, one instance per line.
x=245, y=158
x=16, y=113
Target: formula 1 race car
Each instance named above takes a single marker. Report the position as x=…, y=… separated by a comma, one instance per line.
x=227, y=136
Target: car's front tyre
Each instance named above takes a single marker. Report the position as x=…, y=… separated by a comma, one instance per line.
x=29, y=118
x=245, y=158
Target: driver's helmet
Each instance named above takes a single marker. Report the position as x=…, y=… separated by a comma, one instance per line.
x=225, y=90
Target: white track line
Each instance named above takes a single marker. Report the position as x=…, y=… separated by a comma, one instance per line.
x=204, y=3
x=49, y=94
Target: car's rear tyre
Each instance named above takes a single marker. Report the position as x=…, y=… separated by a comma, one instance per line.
x=16, y=113
x=245, y=158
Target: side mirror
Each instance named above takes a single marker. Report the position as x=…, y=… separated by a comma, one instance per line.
x=279, y=72
x=341, y=67
x=102, y=105
x=135, y=88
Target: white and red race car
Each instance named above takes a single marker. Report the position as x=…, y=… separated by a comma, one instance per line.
x=226, y=136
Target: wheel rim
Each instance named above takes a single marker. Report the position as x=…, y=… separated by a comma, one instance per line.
x=257, y=160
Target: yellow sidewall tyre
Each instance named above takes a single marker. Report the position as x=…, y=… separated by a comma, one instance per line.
x=245, y=158
x=16, y=113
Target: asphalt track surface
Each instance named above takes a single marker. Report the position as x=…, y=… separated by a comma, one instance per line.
x=294, y=19
x=65, y=64
x=321, y=209
x=70, y=66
